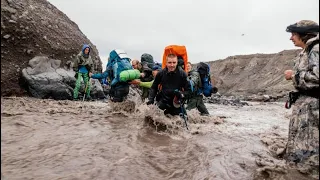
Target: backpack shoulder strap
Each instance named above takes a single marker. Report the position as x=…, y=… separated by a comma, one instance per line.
x=308, y=49
x=162, y=79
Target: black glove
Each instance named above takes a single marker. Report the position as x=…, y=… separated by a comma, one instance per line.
x=178, y=94
x=214, y=90
x=150, y=102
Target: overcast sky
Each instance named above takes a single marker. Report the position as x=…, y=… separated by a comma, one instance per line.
x=210, y=29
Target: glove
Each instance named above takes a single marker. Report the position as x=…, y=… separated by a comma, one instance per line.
x=214, y=90
x=150, y=102
x=178, y=94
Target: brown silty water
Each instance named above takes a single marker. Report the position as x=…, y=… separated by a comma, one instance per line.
x=48, y=139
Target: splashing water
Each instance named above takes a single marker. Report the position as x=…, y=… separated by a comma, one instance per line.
x=47, y=139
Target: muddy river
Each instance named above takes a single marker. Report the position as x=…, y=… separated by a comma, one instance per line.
x=48, y=139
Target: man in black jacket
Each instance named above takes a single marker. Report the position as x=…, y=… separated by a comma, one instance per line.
x=169, y=85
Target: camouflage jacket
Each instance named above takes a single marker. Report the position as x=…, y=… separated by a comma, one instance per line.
x=80, y=60
x=306, y=67
x=194, y=76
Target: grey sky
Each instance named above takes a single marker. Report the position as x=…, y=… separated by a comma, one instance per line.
x=209, y=29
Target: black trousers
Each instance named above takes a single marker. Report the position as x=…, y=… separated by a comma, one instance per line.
x=119, y=92
x=169, y=108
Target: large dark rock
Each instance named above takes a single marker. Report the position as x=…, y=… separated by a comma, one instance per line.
x=44, y=78
x=36, y=28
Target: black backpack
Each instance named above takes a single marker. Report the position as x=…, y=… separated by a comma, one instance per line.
x=206, y=88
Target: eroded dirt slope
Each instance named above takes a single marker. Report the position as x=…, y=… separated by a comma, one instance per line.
x=253, y=74
x=36, y=27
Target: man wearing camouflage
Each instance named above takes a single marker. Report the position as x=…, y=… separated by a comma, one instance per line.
x=303, y=141
x=195, y=100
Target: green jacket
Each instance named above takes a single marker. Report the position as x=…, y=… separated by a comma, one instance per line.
x=80, y=60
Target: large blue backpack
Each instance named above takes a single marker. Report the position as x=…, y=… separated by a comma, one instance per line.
x=206, y=87
x=118, y=62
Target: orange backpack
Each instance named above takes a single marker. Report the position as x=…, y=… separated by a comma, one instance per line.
x=177, y=50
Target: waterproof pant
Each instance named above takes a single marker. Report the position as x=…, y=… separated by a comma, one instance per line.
x=85, y=77
x=169, y=108
x=145, y=93
x=197, y=102
x=119, y=92
x=303, y=140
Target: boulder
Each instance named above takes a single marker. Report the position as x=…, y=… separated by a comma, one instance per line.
x=44, y=78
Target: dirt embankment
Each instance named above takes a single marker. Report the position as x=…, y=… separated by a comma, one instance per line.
x=254, y=74
x=31, y=28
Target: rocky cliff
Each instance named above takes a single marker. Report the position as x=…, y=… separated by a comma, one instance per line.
x=253, y=74
x=36, y=28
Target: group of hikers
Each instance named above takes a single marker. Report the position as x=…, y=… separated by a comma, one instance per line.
x=173, y=82
x=169, y=84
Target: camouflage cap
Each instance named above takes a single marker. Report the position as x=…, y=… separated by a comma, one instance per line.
x=304, y=23
x=305, y=27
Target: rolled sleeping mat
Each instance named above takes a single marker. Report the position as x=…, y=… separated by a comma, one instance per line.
x=128, y=75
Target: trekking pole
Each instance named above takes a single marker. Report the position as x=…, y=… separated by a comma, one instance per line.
x=85, y=89
x=183, y=115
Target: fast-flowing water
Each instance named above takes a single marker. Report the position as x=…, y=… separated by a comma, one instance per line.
x=48, y=139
